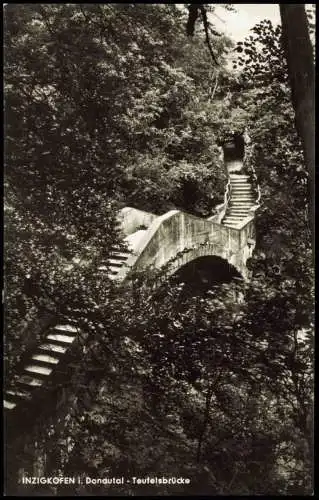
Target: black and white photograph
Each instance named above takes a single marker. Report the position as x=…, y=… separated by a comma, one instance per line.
x=159, y=165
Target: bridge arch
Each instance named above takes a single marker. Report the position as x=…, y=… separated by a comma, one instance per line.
x=203, y=274
x=207, y=269
x=205, y=258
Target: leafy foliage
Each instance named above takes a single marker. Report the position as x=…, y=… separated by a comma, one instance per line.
x=109, y=105
x=81, y=142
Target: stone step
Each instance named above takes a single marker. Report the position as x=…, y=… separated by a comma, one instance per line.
x=237, y=185
x=239, y=176
x=56, y=348
x=45, y=358
x=115, y=263
x=29, y=381
x=120, y=255
x=114, y=270
x=240, y=182
x=240, y=216
x=64, y=339
x=109, y=270
x=41, y=371
x=230, y=210
x=67, y=329
x=236, y=210
x=243, y=207
x=17, y=396
x=241, y=198
x=43, y=364
x=119, y=246
x=241, y=194
x=241, y=191
x=231, y=214
x=112, y=265
x=8, y=405
x=228, y=214
x=246, y=192
x=240, y=204
x=39, y=368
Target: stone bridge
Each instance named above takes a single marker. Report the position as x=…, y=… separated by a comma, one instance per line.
x=170, y=240
x=176, y=238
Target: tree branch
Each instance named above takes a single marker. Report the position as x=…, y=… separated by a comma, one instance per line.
x=206, y=27
x=190, y=27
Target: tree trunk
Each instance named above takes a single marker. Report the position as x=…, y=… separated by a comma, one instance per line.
x=300, y=60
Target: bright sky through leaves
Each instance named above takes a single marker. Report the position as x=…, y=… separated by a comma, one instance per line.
x=237, y=24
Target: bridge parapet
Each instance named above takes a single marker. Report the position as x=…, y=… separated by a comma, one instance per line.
x=177, y=231
x=221, y=209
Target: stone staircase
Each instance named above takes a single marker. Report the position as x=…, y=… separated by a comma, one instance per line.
x=47, y=358
x=112, y=266
x=241, y=199
x=120, y=254
x=39, y=368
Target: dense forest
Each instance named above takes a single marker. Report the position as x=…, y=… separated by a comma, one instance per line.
x=113, y=105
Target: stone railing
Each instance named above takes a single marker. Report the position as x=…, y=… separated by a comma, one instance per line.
x=221, y=209
x=250, y=170
x=254, y=182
